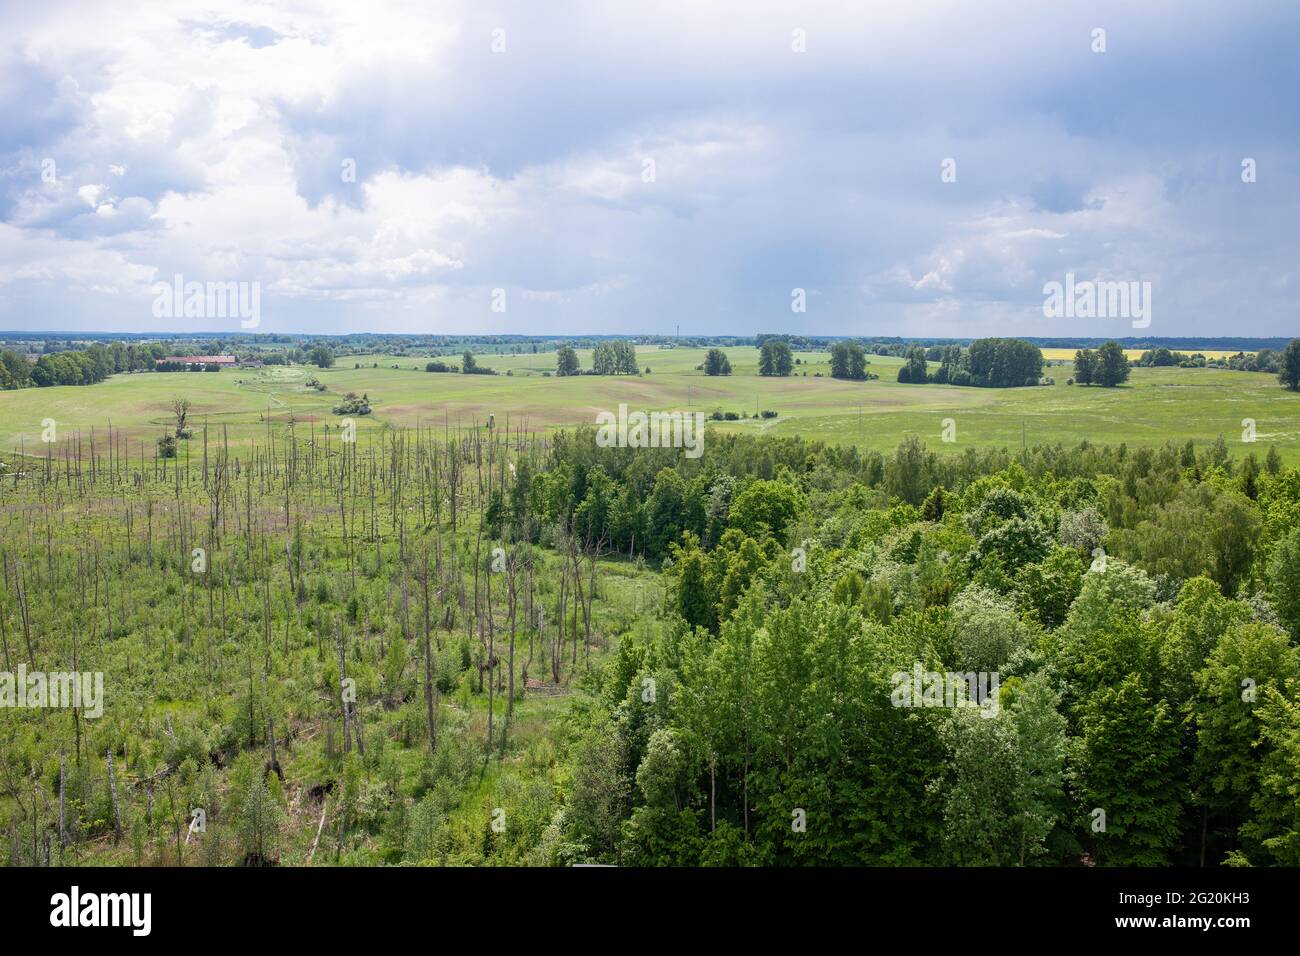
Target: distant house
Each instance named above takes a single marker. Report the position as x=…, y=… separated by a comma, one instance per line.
x=251, y=363
x=189, y=360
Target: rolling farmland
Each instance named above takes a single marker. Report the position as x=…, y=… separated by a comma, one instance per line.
x=240, y=405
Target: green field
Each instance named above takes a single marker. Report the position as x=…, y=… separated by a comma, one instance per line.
x=1156, y=405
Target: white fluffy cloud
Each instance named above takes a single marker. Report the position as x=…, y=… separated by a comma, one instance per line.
x=619, y=168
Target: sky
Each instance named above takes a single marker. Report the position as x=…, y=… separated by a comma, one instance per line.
x=831, y=168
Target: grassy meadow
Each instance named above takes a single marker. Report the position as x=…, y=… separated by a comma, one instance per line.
x=1154, y=406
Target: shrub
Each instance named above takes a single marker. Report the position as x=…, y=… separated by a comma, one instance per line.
x=352, y=405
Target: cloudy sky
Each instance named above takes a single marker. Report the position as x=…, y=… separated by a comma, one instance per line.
x=630, y=167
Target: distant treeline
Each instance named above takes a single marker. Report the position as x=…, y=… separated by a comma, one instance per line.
x=1265, y=360
x=60, y=368
x=94, y=362
x=259, y=344
x=53, y=358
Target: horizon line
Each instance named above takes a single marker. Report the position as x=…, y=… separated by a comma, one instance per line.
x=522, y=336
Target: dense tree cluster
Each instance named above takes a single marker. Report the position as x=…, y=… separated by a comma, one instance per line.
x=1164, y=358
x=1107, y=366
x=85, y=366
x=73, y=368
x=1002, y=363
x=1265, y=360
x=614, y=358
x=775, y=358
x=1139, y=608
x=914, y=371
x=849, y=360
x=986, y=363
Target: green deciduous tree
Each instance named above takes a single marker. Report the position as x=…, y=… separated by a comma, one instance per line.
x=766, y=508
x=695, y=589
x=1047, y=588
x=914, y=369
x=1085, y=366
x=566, y=362
x=907, y=474
x=986, y=631
x=849, y=361
x=1249, y=661
x=600, y=789
x=19, y=369
x=717, y=363
x=1275, y=825
x=259, y=823
x=1111, y=367
x=1127, y=767
x=1289, y=367
x=980, y=789
x=664, y=514
x=1003, y=787
x=775, y=358
x=1284, y=580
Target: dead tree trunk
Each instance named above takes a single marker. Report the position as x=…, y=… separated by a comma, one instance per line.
x=112, y=788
